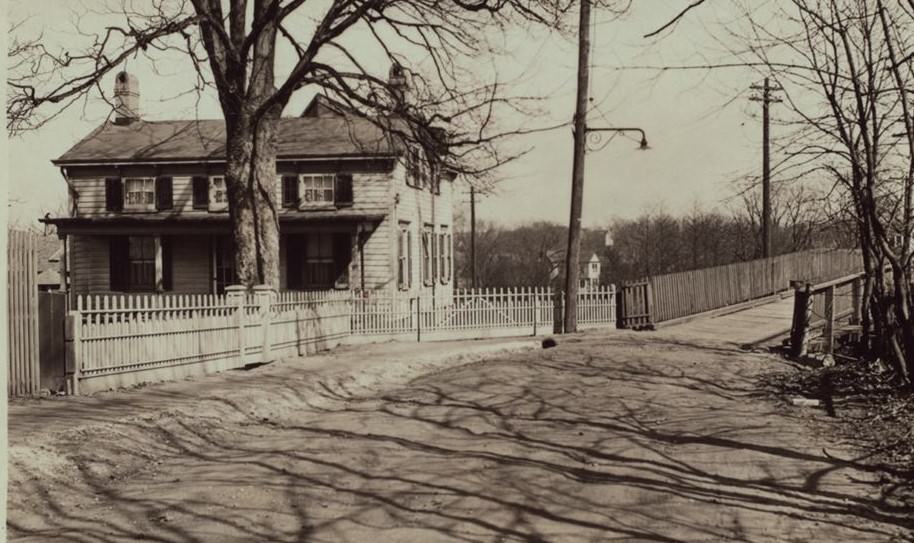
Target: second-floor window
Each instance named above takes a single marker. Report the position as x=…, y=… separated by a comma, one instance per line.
x=139, y=193
x=218, y=197
x=318, y=190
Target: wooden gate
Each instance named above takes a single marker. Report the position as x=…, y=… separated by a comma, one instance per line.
x=52, y=318
x=22, y=312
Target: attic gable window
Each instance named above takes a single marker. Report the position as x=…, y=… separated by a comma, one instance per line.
x=139, y=193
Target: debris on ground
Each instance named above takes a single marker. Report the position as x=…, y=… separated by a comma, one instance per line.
x=872, y=411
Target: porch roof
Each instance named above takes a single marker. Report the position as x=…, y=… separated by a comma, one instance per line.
x=202, y=224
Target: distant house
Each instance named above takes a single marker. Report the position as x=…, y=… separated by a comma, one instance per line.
x=589, y=268
x=49, y=271
x=358, y=207
x=590, y=271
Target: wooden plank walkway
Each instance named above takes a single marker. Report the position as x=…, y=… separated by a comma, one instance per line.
x=759, y=327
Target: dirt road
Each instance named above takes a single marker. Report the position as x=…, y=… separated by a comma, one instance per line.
x=611, y=436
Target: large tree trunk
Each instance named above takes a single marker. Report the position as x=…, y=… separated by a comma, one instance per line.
x=251, y=184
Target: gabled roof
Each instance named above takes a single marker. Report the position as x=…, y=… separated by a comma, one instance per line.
x=316, y=136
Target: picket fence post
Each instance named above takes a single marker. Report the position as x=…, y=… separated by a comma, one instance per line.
x=72, y=337
x=235, y=296
x=264, y=296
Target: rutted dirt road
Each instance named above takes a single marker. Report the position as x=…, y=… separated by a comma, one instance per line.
x=610, y=436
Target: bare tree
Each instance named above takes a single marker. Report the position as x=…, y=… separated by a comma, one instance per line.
x=232, y=47
x=846, y=66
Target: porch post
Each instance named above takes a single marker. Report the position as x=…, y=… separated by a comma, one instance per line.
x=160, y=282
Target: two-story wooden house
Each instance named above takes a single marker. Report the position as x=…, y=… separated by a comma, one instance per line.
x=148, y=209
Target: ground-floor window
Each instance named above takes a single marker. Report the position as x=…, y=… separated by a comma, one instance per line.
x=404, y=256
x=142, y=262
x=132, y=262
x=444, y=254
x=429, y=262
x=318, y=260
x=224, y=263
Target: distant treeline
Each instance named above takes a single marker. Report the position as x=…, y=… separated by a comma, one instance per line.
x=652, y=244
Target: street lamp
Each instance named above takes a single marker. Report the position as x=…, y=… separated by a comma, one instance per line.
x=595, y=136
x=590, y=141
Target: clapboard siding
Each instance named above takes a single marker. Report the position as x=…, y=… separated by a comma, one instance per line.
x=379, y=187
x=420, y=207
x=191, y=265
x=371, y=194
x=378, y=271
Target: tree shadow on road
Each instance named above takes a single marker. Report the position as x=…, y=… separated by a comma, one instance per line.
x=597, y=440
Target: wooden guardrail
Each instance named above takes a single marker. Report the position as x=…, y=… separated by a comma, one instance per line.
x=823, y=305
x=672, y=296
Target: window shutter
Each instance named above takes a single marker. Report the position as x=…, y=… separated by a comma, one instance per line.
x=118, y=263
x=164, y=193
x=114, y=194
x=435, y=248
x=166, y=263
x=343, y=189
x=342, y=256
x=295, y=254
x=201, y=192
x=409, y=258
x=290, y=195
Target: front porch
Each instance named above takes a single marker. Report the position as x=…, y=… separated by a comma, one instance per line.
x=110, y=256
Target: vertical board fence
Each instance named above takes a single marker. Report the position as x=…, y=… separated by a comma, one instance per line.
x=22, y=311
x=671, y=296
x=123, y=340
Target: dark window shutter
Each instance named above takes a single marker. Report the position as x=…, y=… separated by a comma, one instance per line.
x=114, y=194
x=290, y=191
x=344, y=189
x=118, y=263
x=201, y=192
x=295, y=255
x=164, y=193
x=409, y=258
x=342, y=256
x=166, y=263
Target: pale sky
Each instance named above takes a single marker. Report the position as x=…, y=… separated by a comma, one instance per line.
x=703, y=130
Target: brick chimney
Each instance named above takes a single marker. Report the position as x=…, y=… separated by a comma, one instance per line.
x=126, y=98
x=398, y=80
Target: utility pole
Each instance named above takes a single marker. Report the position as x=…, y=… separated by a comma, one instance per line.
x=473, y=236
x=766, y=99
x=572, y=255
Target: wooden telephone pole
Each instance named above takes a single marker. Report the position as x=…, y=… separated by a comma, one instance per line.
x=572, y=255
x=473, y=236
x=766, y=99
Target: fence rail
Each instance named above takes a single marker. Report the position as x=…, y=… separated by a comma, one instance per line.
x=122, y=340
x=822, y=306
x=675, y=295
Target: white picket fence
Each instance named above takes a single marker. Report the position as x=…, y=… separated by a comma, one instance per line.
x=123, y=340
